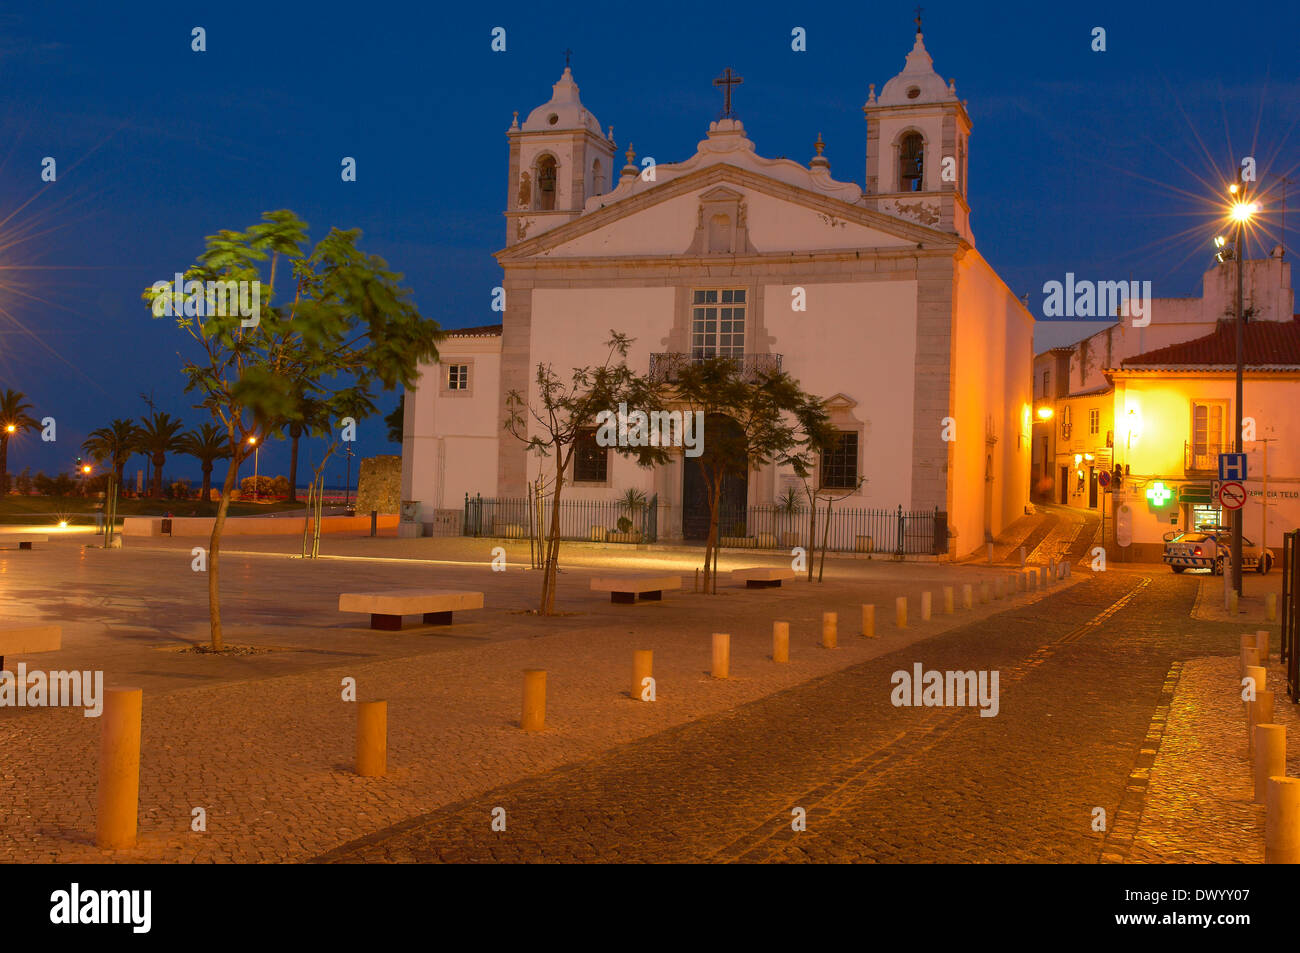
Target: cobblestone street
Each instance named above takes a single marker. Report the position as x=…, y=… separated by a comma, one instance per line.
x=1079, y=686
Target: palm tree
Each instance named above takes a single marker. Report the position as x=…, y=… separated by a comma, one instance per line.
x=159, y=435
x=14, y=419
x=313, y=420
x=208, y=444
x=114, y=443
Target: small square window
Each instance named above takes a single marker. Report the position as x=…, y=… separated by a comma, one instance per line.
x=457, y=377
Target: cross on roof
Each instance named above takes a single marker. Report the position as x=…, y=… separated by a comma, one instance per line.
x=567, y=54
x=918, y=19
x=726, y=81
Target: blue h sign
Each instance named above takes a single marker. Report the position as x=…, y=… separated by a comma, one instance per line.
x=1232, y=466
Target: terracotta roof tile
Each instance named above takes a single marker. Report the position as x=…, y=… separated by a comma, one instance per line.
x=1268, y=343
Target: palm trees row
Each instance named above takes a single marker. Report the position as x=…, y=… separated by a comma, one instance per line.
x=155, y=436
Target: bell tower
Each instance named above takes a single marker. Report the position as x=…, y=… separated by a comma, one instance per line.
x=917, y=140
x=559, y=158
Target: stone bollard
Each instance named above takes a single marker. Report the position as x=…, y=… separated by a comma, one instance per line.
x=927, y=604
x=984, y=593
x=1259, y=712
x=869, y=621
x=117, y=815
x=966, y=601
x=1022, y=557
x=830, y=624
x=900, y=612
x=1270, y=607
x=1066, y=567
x=1234, y=601
x=1260, y=674
x=643, y=661
x=372, y=739
x=721, y=655
x=1282, y=821
x=1270, y=757
x=534, y=717
x=1261, y=643
x=947, y=600
x=1019, y=582
x=780, y=641
x=1249, y=656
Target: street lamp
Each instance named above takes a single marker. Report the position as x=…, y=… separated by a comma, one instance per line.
x=257, y=452
x=1240, y=211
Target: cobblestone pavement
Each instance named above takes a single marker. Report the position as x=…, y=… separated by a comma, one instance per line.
x=1081, y=676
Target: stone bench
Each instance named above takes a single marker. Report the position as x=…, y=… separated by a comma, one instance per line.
x=24, y=540
x=625, y=589
x=386, y=608
x=25, y=639
x=763, y=577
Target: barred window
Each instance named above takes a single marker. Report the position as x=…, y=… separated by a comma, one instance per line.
x=457, y=377
x=840, y=464
x=718, y=323
x=590, y=459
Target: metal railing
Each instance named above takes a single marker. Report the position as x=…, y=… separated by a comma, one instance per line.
x=664, y=367
x=1203, y=458
x=893, y=532
x=590, y=520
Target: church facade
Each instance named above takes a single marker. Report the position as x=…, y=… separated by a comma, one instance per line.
x=873, y=296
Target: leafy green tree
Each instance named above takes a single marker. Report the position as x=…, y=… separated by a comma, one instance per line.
x=114, y=443
x=396, y=420
x=158, y=435
x=345, y=327
x=775, y=420
x=14, y=420
x=562, y=411
x=207, y=445
x=313, y=420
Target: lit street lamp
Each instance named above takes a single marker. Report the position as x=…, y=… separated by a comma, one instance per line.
x=1240, y=211
x=257, y=452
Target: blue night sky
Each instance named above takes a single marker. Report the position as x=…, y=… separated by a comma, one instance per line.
x=1103, y=164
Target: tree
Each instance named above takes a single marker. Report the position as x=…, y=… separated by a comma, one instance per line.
x=14, y=420
x=207, y=445
x=396, y=420
x=313, y=420
x=159, y=435
x=346, y=327
x=559, y=415
x=774, y=420
x=114, y=443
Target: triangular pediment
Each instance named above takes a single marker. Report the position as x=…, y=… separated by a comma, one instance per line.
x=767, y=217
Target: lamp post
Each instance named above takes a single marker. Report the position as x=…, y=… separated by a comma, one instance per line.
x=257, y=452
x=347, y=480
x=1241, y=213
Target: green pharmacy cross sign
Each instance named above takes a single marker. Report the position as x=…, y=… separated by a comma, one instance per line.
x=1159, y=495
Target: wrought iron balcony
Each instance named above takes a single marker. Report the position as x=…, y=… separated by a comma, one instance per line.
x=1203, y=458
x=664, y=367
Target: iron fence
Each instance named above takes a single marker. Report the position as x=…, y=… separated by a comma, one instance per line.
x=592, y=520
x=893, y=532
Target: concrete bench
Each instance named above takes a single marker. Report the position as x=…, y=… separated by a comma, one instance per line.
x=625, y=589
x=26, y=639
x=386, y=608
x=24, y=540
x=762, y=577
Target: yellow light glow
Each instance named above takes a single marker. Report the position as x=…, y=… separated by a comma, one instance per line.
x=1078, y=459
x=1242, y=211
x=1233, y=188
x=1219, y=241
x=63, y=524
x=1045, y=413
x=10, y=428
x=252, y=440
x=1089, y=456
x=85, y=468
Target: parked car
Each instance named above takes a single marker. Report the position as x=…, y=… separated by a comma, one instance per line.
x=1212, y=549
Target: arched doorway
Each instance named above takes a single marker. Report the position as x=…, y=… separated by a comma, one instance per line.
x=720, y=431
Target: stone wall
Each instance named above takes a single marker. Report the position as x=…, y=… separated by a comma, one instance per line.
x=379, y=485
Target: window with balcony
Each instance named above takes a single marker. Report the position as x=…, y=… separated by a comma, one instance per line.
x=718, y=323
x=1207, y=441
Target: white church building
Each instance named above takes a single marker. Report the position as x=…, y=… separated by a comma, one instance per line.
x=921, y=351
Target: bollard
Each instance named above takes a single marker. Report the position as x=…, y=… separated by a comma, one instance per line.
x=117, y=816
x=721, y=654
x=947, y=600
x=374, y=522
x=830, y=625
x=984, y=593
x=642, y=668
x=1258, y=712
x=1282, y=821
x=1042, y=577
x=869, y=621
x=372, y=739
x=534, y=718
x=927, y=605
x=1270, y=607
x=1261, y=643
x=1260, y=674
x=966, y=596
x=1234, y=601
x=1065, y=566
x=900, y=612
x=990, y=553
x=780, y=641
x=1249, y=656
x=697, y=581
x=1020, y=582
x=1022, y=557
x=1270, y=757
